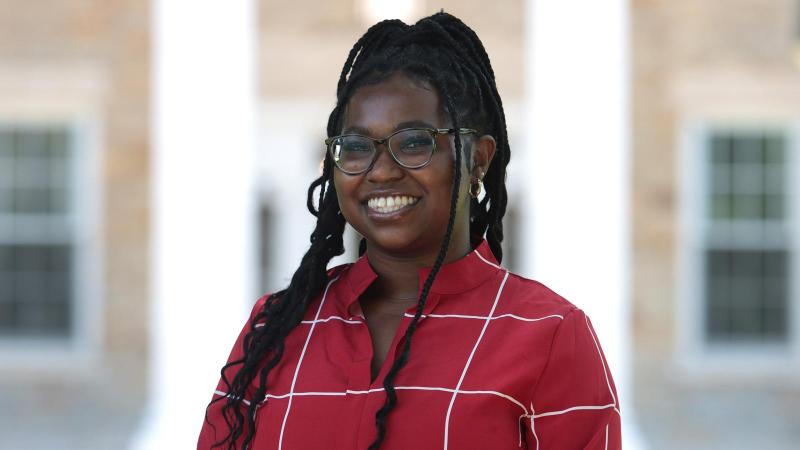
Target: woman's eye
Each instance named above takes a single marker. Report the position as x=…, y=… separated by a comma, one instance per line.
x=357, y=147
x=415, y=145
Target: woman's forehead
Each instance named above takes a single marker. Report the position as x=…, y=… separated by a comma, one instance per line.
x=396, y=100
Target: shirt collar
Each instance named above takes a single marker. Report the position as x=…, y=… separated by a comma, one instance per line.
x=456, y=277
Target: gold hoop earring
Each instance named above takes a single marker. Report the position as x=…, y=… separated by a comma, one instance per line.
x=476, y=186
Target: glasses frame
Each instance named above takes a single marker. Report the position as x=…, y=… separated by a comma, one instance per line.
x=433, y=131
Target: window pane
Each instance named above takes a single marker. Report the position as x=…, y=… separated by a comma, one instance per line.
x=774, y=151
x=31, y=168
x=6, y=200
x=34, y=170
x=747, y=207
x=774, y=178
x=746, y=295
x=721, y=207
x=6, y=170
x=265, y=228
x=59, y=143
x=747, y=176
x=721, y=178
x=36, y=291
x=31, y=200
x=774, y=207
x=721, y=149
x=748, y=148
x=747, y=179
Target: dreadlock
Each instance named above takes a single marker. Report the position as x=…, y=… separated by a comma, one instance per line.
x=445, y=53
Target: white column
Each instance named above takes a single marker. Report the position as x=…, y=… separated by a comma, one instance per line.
x=577, y=155
x=203, y=164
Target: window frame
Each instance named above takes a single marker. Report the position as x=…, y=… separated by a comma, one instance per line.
x=80, y=350
x=694, y=353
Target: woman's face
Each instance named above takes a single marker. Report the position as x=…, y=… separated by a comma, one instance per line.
x=417, y=227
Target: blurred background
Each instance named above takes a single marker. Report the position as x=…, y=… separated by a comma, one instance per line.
x=154, y=158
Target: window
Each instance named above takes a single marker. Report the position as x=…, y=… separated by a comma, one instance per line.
x=37, y=243
x=746, y=244
x=265, y=234
x=511, y=230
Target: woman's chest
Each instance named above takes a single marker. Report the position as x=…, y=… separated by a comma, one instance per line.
x=464, y=383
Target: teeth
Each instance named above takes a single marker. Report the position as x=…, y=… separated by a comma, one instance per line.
x=390, y=204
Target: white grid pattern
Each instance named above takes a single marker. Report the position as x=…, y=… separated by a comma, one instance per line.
x=501, y=316
x=533, y=428
x=300, y=361
x=454, y=391
x=527, y=414
x=469, y=360
x=602, y=361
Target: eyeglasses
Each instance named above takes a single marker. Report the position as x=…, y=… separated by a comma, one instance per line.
x=412, y=148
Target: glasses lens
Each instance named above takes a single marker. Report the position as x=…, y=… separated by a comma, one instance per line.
x=352, y=153
x=413, y=148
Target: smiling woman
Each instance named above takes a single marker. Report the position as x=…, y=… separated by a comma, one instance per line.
x=415, y=164
x=426, y=341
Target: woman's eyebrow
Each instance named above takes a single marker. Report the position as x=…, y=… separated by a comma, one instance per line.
x=413, y=124
x=355, y=129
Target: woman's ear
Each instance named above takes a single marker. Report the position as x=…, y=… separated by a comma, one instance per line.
x=482, y=153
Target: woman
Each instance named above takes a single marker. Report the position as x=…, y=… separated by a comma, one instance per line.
x=425, y=341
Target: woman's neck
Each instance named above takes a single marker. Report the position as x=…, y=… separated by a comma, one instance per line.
x=398, y=276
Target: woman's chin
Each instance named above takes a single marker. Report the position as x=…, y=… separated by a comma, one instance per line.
x=400, y=244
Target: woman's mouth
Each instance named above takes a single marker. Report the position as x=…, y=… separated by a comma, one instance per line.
x=390, y=204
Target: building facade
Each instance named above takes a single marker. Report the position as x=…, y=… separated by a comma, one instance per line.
x=716, y=114
x=74, y=219
x=715, y=296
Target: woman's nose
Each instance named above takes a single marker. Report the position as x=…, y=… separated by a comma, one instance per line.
x=385, y=167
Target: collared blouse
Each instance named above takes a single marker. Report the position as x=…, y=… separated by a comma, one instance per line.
x=497, y=362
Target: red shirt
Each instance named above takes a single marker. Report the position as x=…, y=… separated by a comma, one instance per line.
x=497, y=362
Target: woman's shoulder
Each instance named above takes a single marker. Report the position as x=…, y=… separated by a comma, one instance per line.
x=534, y=297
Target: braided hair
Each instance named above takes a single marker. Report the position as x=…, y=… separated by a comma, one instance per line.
x=439, y=50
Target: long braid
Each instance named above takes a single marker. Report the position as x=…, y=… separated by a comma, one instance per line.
x=458, y=33
x=444, y=52
x=263, y=345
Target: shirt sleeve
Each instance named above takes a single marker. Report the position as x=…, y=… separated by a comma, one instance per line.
x=214, y=426
x=574, y=403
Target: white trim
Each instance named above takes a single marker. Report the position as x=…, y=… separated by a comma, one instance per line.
x=501, y=316
x=516, y=402
x=328, y=319
x=435, y=316
x=375, y=390
x=325, y=320
x=469, y=360
x=487, y=261
x=225, y=394
x=533, y=427
x=300, y=361
x=602, y=359
x=695, y=360
x=577, y=408
x=606, y=444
